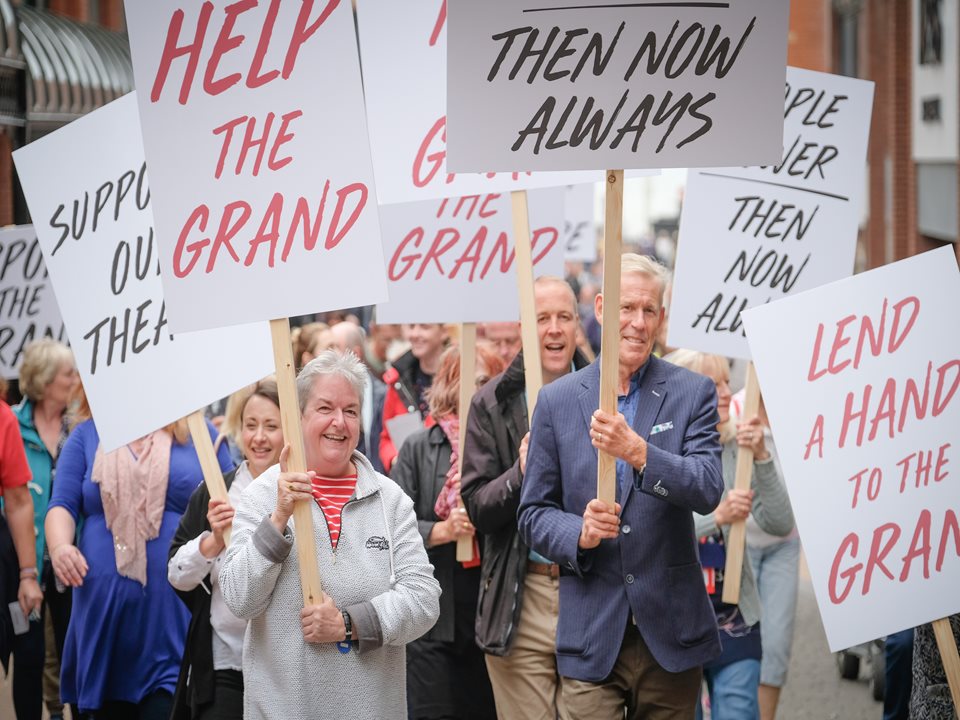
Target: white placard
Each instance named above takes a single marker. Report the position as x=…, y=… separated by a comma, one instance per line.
x=403, y=47
x=452, y=260
x=752, y=235
x=86, y=186
x=28, y=308
x=579, y=229
x=860, y=379
x=254, y=129
x=542, y=85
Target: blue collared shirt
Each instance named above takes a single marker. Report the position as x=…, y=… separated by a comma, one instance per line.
x=628, y=405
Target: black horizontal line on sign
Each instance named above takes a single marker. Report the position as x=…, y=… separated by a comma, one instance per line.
x=783, y=185
x=723, y=5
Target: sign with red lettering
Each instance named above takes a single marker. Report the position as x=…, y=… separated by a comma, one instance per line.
x=86, y=186
x=254, y=128
x=28, y=308
x=752, y=235
x=543, y=85
x=452, y=260
x=861, y=380
x=579, y=229
x=403, y=46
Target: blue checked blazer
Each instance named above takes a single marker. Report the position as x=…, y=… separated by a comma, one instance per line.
x=651, y=571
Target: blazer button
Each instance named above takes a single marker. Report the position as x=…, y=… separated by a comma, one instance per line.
x=626, y=529
x=629, y=579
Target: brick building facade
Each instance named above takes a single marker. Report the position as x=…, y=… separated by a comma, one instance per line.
x=878, y=40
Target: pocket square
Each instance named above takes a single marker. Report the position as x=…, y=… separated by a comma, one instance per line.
x=661, y=427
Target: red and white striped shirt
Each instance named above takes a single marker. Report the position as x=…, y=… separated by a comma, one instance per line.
x=331, y=495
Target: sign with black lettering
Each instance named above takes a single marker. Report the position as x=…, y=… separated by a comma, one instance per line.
x=861, y=379
x=403, y=47
x=579, y=229
x=87, y=190
x=752, y=235
x=546, y=85
x=28, y=308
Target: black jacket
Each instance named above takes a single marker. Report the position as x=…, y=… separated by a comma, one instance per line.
x=490, y=487
x=195, y=684
x=421, y=470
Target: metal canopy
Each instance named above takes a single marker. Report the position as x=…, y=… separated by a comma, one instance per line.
x=72, y=68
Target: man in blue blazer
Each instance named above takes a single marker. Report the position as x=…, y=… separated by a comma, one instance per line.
x=635, y=623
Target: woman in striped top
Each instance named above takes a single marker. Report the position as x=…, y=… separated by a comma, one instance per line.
x=343, y=654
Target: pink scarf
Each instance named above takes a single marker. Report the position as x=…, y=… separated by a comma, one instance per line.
x=133, y=489
x=447, y=500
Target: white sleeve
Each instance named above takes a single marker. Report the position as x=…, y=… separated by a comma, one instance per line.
x=188, y=567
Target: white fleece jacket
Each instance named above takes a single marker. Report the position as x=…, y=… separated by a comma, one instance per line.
x=379, y=574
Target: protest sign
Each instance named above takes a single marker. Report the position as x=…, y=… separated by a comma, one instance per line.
x=545, y=86
x=752, y=235
x=452, y=260
x=860, y=380
x=403, y=46
x=28, y=308
x=254, y=129
x=86, y=187
x=579, y=231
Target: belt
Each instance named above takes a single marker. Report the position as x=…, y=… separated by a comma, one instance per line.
x=548, y=569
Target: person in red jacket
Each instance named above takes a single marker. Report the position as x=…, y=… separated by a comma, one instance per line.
x=408, y=381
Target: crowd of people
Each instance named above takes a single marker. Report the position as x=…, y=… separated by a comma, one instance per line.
x=144, y=597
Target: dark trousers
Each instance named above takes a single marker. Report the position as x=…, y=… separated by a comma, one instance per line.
x=29, y=650
x=898, y=677
x=155, y=706
x=227, y=697
x=28, y=656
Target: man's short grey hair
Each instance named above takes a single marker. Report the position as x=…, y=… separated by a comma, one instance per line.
x=331, y=362
x=555, y=280
x=645, y=265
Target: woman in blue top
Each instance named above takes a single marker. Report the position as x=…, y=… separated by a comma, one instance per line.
x=127, y=630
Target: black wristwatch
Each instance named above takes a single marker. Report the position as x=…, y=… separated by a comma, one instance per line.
x=348, y=625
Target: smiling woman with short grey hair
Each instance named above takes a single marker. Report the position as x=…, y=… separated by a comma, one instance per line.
x=379, y=588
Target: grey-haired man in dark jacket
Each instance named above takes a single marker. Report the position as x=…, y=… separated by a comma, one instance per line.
x=518, y=604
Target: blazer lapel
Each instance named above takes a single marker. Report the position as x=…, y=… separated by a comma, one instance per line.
x=652, y=394
x=590, y=394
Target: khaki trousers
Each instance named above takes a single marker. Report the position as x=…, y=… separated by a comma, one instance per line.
x=637, y=685
x=525, y=682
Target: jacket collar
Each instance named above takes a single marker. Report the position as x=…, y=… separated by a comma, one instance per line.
x=652, y=395
x=368, y=481
x=513, y=381
x=24, y=412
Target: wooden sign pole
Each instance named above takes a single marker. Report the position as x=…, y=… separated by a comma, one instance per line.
x=737, y=537
x=947, y=645
x=532, y=370
x=610, y=340
x=468, y=371
x=296, y=462
x=212, y=475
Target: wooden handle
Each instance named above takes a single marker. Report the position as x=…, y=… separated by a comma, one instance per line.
x=212, y=475
x=296, y=460
x=738, y=531
x=532, y=370
x=468, y=371
x=947, y=644
x=610, y=339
